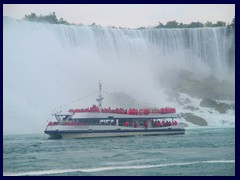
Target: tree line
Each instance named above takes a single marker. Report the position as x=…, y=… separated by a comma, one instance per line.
x=175, y=24
x=52, y=18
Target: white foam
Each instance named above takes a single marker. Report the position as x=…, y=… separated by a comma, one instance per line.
x=213, y=117
x=109, y=168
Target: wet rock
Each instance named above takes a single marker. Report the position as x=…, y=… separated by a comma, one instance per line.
x=190, y=117
x=183, y=101
x=223, y=107
x=191, y=108
x=220, y=107
x=209, y=103
x=185, y=124
x=198, y=87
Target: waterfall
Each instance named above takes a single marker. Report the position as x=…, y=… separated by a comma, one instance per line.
x=46, y=65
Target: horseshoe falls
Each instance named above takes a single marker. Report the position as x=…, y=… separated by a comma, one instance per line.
x=46, y=66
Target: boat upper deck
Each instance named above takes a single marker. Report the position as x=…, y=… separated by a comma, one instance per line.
x=100, y=115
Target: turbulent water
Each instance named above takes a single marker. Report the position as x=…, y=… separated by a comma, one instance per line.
x=200, y=152
x=46, y=66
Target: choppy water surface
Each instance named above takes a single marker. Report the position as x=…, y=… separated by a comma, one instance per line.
x=208, y=151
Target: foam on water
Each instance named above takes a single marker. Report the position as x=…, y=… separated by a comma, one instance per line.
x=109, y=168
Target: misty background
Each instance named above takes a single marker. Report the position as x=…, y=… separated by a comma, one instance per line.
x=46, y=66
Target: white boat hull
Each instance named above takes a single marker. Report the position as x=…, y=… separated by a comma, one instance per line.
x=61, y=131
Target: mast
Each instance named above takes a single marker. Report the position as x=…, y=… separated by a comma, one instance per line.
x=100, y=98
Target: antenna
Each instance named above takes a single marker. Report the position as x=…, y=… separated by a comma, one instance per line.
x=100, y=98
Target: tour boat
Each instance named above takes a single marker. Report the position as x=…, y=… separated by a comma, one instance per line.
x=106, y=122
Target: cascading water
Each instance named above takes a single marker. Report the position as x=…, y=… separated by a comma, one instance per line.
x=47, y=65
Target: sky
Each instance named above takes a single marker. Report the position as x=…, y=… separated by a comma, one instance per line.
x=126, y=15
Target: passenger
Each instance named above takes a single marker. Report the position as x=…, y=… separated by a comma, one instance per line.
x=135, y=124
x=162, y=110
x=126, y=123
x=158, y=124
x=163, y=123
x=175, y=123
x=129, y=111
x=152, y=122
x=146, y=124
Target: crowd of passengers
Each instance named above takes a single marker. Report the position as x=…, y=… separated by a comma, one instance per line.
x=156, y=123
x=131, y=111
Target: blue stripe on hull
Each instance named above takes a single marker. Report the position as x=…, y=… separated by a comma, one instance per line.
x=59, y=134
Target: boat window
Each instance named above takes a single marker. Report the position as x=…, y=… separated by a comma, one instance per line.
x=65, y=117
x=62, y=117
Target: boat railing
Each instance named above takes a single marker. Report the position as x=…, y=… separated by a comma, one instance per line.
x=130, y=111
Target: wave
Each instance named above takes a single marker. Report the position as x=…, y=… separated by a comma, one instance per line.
x=109, y=168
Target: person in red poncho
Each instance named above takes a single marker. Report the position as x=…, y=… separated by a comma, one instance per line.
x=146, y=124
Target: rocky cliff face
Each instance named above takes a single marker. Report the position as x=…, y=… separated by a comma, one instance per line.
x=199, y=87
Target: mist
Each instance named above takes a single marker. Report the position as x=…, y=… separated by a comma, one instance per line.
x=46, y=66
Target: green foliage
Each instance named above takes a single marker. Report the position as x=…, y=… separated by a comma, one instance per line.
x=51, y=18
x=140, y=28
x=175, y=24
x=219, y=24
x=195, y=25
x=31, y=17
x=62, y=21
x=181, y=25
x=172, y=24
x=208, y=24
